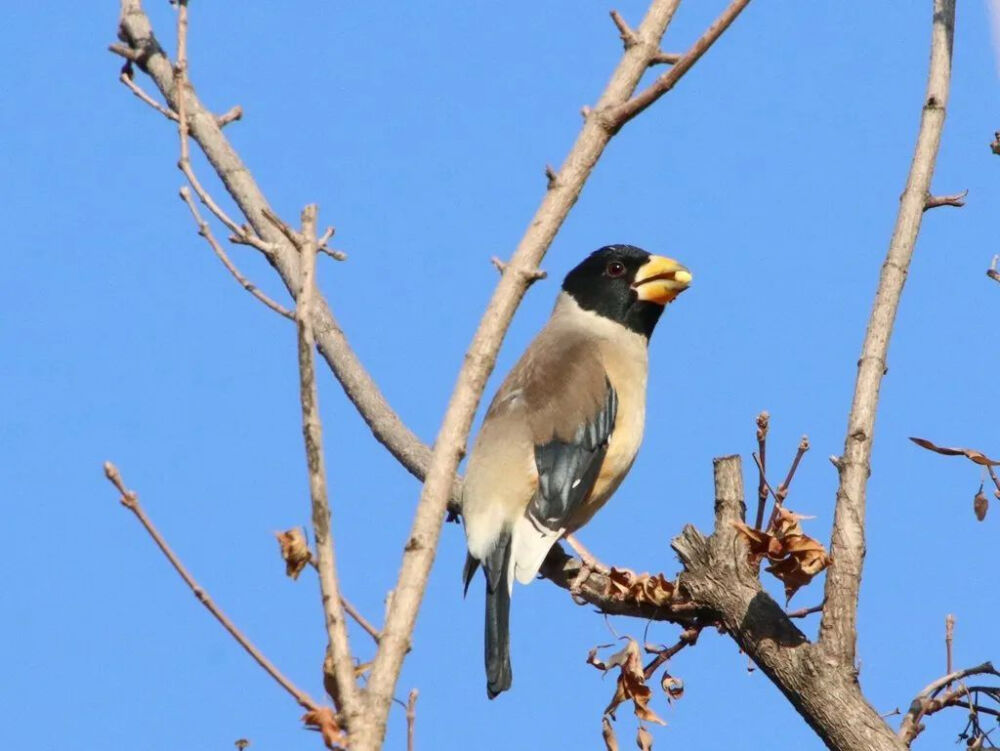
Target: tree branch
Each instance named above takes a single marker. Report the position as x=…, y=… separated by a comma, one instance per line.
x=838, y=628
x=205, y=231
x=130, y=500
x=624, y=112
x=142, y=48
x=926, y=702
x=347, y=696
x=718, y=578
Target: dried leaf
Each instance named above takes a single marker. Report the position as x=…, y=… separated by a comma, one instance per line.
x=981, y=504
x=795, y=557
x=325, y=721
x=673, y=686
x=639, y=588
x=644, y=739
x=610, y=742
x=631, y=685
x=294, y=550
x=972, y=454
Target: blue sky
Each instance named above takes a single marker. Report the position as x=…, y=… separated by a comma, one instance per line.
x=773, y=171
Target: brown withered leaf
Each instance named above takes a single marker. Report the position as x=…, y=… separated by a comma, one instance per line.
x=325, y=721
x=294, y=550
x=644, y=739
x=673, y=686
x=794, y=557
x=608, y=732
x=980, y=504
x=631, y=685
x=624, y=584
x=972, y=454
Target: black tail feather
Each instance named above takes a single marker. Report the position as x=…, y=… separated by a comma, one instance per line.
x=498, y=672
x=471, y=564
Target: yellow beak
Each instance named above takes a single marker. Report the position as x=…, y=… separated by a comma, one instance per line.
x=660, y=280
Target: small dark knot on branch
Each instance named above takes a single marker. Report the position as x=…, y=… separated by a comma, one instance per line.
x=551, y=176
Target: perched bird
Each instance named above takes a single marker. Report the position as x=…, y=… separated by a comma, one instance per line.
x=564, y=428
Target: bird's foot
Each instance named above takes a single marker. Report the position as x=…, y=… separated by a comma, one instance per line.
x=589, y=565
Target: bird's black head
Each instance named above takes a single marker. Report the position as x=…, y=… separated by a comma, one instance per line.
x=627, y=285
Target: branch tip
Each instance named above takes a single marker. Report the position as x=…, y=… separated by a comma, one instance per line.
x=955, y=199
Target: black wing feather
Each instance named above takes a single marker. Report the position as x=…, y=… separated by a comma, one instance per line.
x=567, y=471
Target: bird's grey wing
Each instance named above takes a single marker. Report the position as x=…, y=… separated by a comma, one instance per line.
x=572, y=408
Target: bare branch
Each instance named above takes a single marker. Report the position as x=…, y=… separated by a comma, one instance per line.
x=130, y=500
x=126, y=78
x=803, y=612
x=665, y=58
x=624, y=112
x=358, y=384
x=719, y=580
x=688, y=638
x=838, y=628
x=949, y=636
x=347, y=696
x=955, y=199
x=761, y=459
x=629, y=38
x=782, y=492
x=204, y=231
x=926, y=702
x=232, y=115
x=411, y=717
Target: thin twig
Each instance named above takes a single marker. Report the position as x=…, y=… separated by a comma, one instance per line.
x=926, y=702
x=206, y=232
x=352, y=611
x=126, y=78
x=130, y=500
x=949, y=635
x=665, y=58
x=764, y=483
x=838, y=629
x=761, y=457
x=688, y=637
x=799, y=453
x=629, y=38
x=348, y=698
x=411, y=718
x=232, y=115
x=803, y=612
x=626, y=111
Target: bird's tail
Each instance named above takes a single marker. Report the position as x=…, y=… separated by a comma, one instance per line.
x=498, y=585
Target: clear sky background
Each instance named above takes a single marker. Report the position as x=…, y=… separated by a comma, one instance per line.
x=773, y=171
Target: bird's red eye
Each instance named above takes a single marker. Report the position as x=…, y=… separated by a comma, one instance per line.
x=616, y=268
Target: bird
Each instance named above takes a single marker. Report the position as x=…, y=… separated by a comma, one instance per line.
x=563, y=429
